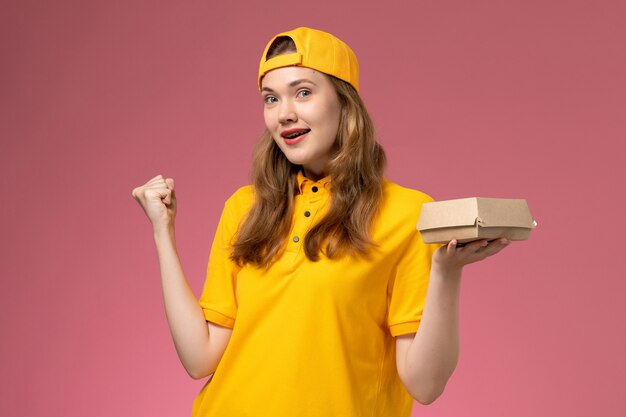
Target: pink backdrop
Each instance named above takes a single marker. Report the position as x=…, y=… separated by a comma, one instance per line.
x=492, y=98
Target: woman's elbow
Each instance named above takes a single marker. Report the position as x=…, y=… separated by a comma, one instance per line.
x=426, y=399
x=426, y=393
x=198, y=370
x=198, y=373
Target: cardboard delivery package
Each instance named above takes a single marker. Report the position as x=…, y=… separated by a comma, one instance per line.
x=468, y=219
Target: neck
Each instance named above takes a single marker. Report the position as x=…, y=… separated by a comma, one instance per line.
x=314, y=174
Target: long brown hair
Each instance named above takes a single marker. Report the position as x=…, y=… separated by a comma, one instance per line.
x=356, y=178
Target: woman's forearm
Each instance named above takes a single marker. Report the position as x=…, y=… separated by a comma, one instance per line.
x=434, y=351
x=184, y=314
x=427, y=360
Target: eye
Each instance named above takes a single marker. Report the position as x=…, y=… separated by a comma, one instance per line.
x=303, y=93
x=269, y=99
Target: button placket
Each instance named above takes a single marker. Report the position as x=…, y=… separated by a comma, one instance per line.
x=311, y=199
x=301, y=223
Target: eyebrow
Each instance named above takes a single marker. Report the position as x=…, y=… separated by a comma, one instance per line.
x=292, y=84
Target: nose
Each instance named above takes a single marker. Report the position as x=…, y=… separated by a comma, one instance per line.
x=287, y=113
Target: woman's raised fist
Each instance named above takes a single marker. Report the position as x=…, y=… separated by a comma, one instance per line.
x=158, y=200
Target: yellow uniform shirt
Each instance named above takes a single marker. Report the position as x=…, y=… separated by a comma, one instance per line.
x=316, y=339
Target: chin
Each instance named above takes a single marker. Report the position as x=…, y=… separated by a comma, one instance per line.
x=295, y=160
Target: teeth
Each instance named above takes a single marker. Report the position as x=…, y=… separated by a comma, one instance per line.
x=296, y=134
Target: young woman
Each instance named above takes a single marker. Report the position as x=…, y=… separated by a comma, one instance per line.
x=321, y=298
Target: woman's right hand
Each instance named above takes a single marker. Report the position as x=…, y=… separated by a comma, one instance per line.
x=158, y=201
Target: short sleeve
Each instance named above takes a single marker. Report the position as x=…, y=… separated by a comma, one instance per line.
x=408, y=292
x=218, y=299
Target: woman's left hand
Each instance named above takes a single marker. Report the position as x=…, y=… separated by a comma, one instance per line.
x=452, y=256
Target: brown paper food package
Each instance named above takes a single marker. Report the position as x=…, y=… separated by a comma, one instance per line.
x=469, y=219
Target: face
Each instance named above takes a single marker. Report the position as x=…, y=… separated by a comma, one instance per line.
x=302, y=113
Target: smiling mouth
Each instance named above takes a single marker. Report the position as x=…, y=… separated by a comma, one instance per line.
x=295, y=134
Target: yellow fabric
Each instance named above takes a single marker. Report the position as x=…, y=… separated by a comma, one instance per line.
x=318, y=50
x=314, y=339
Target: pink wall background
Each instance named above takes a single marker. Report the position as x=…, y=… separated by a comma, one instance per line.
x=520, y=98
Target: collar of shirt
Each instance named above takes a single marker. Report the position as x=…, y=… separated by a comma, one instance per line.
x=304, y=182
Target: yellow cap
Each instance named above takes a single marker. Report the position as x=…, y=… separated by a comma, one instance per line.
x=318, y=50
